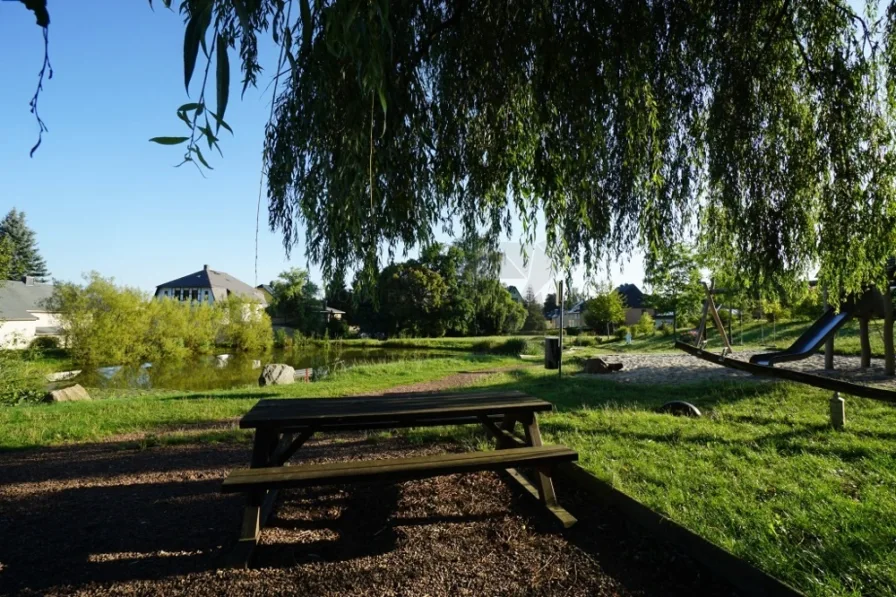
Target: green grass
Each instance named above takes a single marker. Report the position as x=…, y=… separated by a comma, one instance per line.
x=119, y=412
x=471, y=344
x=762, y=473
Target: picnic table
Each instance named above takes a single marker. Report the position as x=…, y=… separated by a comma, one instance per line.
x=282, y=426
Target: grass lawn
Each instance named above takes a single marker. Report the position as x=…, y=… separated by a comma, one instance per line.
x=122, y=411
x=762, y=473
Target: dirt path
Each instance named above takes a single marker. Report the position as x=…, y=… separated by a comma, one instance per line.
x=100, y=520
x=458, y=380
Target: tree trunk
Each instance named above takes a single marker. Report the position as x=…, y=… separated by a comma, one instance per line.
x=889, y=358
x=866, y=342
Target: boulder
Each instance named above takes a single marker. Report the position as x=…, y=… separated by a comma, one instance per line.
x=277, y=375
x=69, y=394
x=597, y=365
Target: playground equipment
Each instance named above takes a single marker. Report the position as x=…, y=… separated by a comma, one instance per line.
x=869, y=304
x=866, y=306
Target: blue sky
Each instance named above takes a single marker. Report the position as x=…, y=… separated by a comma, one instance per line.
x=98, y=194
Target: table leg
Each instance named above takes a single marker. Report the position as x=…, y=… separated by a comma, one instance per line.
x=543, y=478
x=258, y=503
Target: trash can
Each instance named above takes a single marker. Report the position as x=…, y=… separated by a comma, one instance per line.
x=551, y=352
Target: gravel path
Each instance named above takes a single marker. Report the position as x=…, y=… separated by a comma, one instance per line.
x=679, y=368
x=100, y=520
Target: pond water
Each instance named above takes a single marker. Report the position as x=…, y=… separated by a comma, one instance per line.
x=238, y=370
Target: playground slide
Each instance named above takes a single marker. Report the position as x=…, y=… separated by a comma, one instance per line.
x=811, y=340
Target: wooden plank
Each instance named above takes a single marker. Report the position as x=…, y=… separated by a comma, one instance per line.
x=385, y=424
x=297, y=413
x=561, y=514
x=282, y=456
x=542, y=477
x=825, y=383
x=417, y=467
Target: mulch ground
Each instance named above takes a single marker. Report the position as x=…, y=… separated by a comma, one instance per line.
x=106, y=519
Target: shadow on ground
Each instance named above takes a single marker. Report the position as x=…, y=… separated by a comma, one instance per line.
x=102, y=519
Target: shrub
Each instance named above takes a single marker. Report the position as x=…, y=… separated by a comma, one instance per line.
x=42, y=343
x=337, y=328
x=621, y=332
x=585, y=341
x=666, y=329
x=573, y=331
x=511, y=346
x=20, y=379
x=645, y=326
x=483, y=346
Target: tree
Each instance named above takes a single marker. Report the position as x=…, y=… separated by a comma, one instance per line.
x=296, y=300
x=535, y=321
x=24, y=259
x=624, y=124
x=674, y=279
x=410, y=299
x=606, y=309
x=550, y=304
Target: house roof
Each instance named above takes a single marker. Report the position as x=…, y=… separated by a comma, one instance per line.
x=577, y=308
x=633, y=296
x=209, y=278
x=18, y=299
x=514, y=293
x=266, y=288
x=332, y=310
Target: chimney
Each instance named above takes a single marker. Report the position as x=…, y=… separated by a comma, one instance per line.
x=205, y=267
x=28, y=280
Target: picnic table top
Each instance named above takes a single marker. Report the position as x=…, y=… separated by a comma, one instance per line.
x=298, y=412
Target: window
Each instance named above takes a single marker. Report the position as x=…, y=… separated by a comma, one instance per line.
x=194, y=294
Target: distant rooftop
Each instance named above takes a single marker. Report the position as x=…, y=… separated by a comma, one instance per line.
x=209, y=278
x=19, y=298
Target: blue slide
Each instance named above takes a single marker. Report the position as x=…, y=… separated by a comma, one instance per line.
x=811, y=340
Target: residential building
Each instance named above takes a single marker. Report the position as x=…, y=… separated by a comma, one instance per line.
x=634, y=303
x=23, y=314
x=207, y=286
x=268, y=291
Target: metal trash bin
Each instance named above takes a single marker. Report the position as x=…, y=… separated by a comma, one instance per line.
x=551, y=352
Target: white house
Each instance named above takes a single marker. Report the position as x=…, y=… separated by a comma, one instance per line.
x=23, y=316
x=207, y=286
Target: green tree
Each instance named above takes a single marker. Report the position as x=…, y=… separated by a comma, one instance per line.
x=606, y=309
x=25, y=259
x=771, y=136
x=535, y=321
x=674, y=279
x=296, y=300
x=410, y=299
x=550, y=304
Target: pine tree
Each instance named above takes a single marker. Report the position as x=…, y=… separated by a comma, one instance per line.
x=25, y=259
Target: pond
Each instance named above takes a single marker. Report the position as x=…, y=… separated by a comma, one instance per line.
x=234, y=371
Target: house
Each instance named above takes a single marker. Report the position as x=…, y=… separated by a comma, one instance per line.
x=634, y=303
x=331, y=313
x=207, y=286
x=268, y=291
x=515, y=294
x=574, y=317
x=23, y=316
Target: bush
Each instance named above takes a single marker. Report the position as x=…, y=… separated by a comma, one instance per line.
x=665, y=329
x=511, y=346
x=645, y=326
x=621, y=332
x=42, y=343
x=337, y=328
x=585, y=341
x=20, y=379
x=573, y=331
x=483, y=346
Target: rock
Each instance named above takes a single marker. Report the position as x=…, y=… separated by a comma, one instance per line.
x=597, y=365
x=63, y=375
x=69, y=394
x=277, y=375
x=680, y=408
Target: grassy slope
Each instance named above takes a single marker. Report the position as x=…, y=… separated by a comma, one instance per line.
x=122, y=412
x=762, y=473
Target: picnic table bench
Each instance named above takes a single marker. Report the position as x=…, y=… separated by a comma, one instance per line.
x=282, y=426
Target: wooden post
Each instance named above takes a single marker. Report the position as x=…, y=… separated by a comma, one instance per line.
x=829, y=343
x=866, y=342
x=838, y=411
x=560, y=342
x=889, y=356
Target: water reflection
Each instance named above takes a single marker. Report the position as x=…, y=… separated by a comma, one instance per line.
x=237, y=370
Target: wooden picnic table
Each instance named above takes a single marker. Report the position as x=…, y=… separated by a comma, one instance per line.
x=282, y=426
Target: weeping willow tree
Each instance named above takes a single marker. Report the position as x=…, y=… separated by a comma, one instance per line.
x=761, y=128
